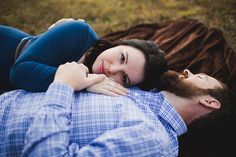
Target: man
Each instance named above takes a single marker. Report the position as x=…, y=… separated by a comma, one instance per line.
x=61, y=122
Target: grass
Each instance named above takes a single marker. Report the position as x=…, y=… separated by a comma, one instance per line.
x=107, y=16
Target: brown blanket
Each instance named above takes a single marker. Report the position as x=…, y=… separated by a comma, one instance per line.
x=190, y=44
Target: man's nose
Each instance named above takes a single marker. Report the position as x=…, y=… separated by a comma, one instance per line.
x=188, y=72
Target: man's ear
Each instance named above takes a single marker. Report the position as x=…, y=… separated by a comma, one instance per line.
x=210, y=102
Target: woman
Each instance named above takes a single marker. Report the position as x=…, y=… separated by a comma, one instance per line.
x=30, y=62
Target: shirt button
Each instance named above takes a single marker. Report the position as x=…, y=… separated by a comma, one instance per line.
x=73, y=149
x=135, y=94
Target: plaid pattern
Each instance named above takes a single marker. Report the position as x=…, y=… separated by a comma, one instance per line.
x=63, y=123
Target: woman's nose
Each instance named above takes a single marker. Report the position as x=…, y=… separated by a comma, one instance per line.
x=114, y=69
x=188, y=72
x=115, y=73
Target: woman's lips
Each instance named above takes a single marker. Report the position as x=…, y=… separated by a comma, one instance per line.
x=102, y=69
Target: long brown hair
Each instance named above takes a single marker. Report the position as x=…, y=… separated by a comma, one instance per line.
x=155, y=66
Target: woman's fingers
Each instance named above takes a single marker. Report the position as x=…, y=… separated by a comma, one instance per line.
x=75, y=75
x=112, y=87
x=108, y=92
x=96, y=79
x=107, y=87
x=65, y=20
x=121, y=88
x=61, y=21
x=81, y=20
x=116, y=87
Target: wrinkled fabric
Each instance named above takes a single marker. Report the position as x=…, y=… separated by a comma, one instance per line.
x=62, y=122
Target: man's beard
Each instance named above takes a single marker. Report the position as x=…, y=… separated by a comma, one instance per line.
x=171, y=82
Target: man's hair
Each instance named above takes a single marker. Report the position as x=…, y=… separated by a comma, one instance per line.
x=155, y=62
x=226, y=97
x=227, y=110
x=170, y=81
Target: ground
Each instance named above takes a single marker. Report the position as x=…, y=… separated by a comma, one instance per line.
x=111, y=15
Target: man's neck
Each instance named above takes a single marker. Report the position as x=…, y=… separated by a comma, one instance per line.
x=181, y=105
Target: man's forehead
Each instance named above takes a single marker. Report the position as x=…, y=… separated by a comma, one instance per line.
x=213, y=81
x=220, y=84
x=201, y=80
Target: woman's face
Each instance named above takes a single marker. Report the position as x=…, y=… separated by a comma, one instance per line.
x=124, y=64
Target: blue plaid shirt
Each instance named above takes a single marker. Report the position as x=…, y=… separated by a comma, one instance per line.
x=62, y=122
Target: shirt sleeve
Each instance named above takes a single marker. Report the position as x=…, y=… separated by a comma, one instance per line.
x=48, y=135
x=139, y=140
x=49, y=127
x=34, y=70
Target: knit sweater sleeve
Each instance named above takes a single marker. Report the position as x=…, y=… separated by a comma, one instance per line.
x=34, y=70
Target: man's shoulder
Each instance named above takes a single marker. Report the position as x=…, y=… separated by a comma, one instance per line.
x=8, y=97
x=151, y=96
x=19, y=97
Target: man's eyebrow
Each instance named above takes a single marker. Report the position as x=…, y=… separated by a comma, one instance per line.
x=205, y=75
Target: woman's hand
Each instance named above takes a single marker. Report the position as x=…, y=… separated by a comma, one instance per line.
x=76, y=76
x=64, y=20
x=107, y=87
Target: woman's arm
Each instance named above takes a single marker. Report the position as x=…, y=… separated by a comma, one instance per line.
x=34, y=70
x=54, y=114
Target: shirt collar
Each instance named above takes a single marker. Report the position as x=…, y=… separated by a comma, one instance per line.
x=161, y=107
x=169, y=114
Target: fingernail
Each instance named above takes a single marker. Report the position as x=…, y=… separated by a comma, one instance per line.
x=123, y=93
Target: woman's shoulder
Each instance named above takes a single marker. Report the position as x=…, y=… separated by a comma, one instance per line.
x=77, y=26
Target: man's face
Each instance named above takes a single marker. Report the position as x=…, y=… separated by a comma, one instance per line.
x=187, y=84
x=200, y=80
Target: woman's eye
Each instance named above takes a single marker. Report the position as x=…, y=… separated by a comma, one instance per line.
x=122, y=59
x=124, y=80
